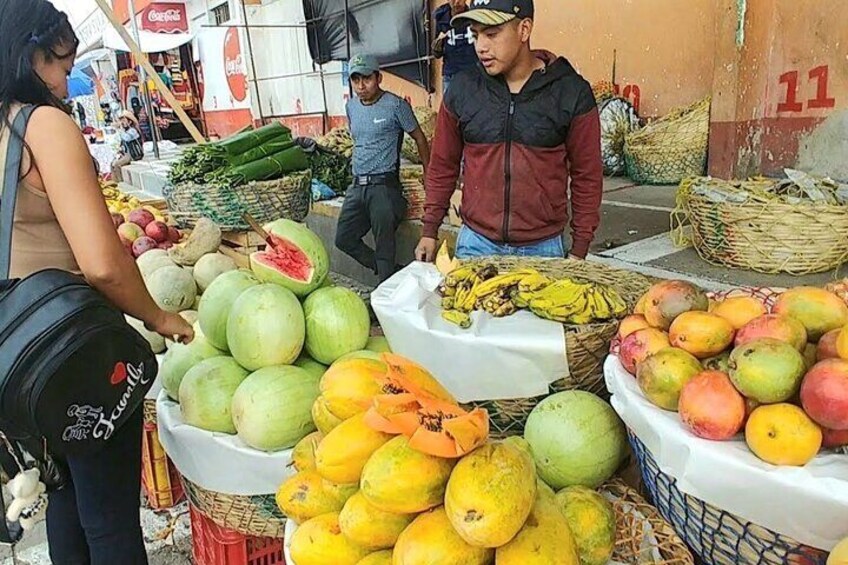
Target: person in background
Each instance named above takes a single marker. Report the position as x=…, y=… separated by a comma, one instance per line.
x=527, y=125
x=61, y=222
x=454, y=45
x=131, y=146
x=378, y=121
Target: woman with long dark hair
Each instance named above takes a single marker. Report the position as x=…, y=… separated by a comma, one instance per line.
x=61, y=221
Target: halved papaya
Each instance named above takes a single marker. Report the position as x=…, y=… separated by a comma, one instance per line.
x=402, y=385
x=444, y=429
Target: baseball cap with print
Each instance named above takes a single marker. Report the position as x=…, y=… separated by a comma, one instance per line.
x=496, y=12
x=364, y=65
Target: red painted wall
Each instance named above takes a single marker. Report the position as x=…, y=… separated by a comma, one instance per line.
x=227, y=122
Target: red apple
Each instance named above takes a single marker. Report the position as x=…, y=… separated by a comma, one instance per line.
x=141, y=217
x=174, y=235
x=824, y=394
x=117, y=220
x=142, y=245
x=157, y=231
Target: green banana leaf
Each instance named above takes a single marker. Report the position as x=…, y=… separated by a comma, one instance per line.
x=274, y=166
x=244, y=142
x=271, y=147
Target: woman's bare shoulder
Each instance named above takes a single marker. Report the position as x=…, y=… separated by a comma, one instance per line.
x=47, y=120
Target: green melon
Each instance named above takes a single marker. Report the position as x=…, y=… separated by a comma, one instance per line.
x=180, y=358
x=311, y=365
x=206, y=394
x=216, y=302
x=210, y=267
x=265, y=327
x=576, y=439
x=337, y=323
x=152, y=261
x=298, y=260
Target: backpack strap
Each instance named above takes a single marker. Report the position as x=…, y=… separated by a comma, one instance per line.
x=11, y=180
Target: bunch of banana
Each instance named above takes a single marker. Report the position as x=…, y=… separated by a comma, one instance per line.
x=569, y=302
x=338, y=140
x=119, y=202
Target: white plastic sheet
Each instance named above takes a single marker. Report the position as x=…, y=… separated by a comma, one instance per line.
x=808, y=504
x=496, y=358
x=219, y=462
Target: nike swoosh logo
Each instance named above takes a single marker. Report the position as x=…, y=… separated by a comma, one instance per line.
x=376, y=121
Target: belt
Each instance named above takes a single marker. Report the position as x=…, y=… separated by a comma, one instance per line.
x=362, y=180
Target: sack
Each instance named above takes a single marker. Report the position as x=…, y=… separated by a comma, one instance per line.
x=134, y=149
x=72, y=370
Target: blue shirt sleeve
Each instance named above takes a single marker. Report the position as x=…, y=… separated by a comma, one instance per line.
x=128, y=135
x=406, y=117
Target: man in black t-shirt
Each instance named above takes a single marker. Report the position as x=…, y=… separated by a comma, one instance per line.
x=454, y=45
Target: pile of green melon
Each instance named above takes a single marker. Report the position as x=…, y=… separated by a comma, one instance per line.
x=264, y=338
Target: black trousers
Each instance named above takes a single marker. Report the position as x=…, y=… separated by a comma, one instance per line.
x=94, y=519
x=378, y=207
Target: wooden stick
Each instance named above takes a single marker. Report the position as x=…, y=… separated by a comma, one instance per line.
x=258, y=229
x=157, y=80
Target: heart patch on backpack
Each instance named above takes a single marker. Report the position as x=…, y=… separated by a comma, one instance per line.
x=119, y=374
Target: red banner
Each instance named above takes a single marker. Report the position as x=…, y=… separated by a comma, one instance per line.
x=165, y=17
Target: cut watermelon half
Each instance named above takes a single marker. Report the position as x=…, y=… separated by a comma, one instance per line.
x=297, y=261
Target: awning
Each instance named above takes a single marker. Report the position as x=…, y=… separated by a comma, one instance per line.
x=86, y=59
x=151, y=42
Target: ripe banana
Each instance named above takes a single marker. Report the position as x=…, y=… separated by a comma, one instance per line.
x=461, y=319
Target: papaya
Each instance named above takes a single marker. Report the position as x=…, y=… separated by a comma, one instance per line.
x=402, y=480
x=306, y=495
x=544, y=539
x=342, y=492
x=320, y=541
x=378, y=558
x=370, y=527
x=431, y=540
x=490, y=494
x=324, y=420
x=592, y=521
x=349, y=386
x=341, y=455
x=303, y=453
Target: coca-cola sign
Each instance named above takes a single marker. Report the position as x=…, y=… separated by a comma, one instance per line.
x=165, y=17
x=234, y=67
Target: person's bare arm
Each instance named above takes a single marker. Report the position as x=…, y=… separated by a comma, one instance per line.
x=63, y=169
x=423, y=147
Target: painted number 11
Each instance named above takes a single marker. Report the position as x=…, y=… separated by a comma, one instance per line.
x=820, y=76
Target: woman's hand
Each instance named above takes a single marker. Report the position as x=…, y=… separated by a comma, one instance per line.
x=173, y=326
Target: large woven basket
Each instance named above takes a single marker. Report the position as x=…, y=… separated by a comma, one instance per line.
x=287, y=197
x=767, y=236
x=671, y=148
x=412, y=182
x=249, y=515
x=586, y=345
x=717, y=537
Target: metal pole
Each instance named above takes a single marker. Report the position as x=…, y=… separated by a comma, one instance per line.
x=347, y=43
x=252, y=60
x=143, y=75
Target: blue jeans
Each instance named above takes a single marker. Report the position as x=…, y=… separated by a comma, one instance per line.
x=471, y=244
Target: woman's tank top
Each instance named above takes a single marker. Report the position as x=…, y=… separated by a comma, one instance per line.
x=37, y=239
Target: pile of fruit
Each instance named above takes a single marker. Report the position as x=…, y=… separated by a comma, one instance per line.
x=263, y=338
x=399, y=473
x=339, y=141
x=779, y=374
x=481, y=287
x=118, y=201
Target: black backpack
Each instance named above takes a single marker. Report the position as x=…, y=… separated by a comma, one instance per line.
x=72, y=370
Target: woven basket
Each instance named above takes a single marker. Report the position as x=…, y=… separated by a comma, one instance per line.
x=412, y=182
x=586, y=345
x=717, y=537
x=287, y=197
x=671, y=148
x=427, y=120
x=761, y=235
x=630, y=532
x=249, y=515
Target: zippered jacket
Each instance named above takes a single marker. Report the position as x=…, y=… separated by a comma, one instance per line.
x=520, y=152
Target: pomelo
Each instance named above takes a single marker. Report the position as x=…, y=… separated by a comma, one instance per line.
x=272, y=408
x=265, y=327
x=337, y=323
x=576, y=439
x=216, y=302
x=206, y=394
x=298, y=260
